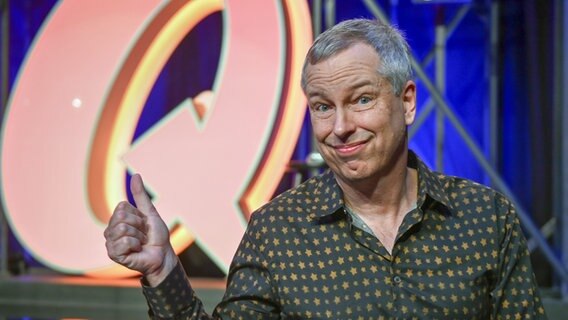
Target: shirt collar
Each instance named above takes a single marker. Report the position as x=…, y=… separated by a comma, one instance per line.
x=328, y=202
x=327, y=198
x=431, y=190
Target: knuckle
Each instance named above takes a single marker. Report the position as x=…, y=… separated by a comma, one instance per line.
x=122, y=228
x=123, y=205
x=121, y=209
x=120, y=214
x=111, y=253
x=125, y=242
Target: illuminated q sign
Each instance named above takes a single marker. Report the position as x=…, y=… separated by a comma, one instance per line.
x=67, y=134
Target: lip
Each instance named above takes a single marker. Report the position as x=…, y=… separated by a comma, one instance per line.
x=350, y=149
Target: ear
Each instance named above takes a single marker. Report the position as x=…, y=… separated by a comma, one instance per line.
x=408, y=96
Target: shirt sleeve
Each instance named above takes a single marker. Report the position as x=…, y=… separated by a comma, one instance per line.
x=515, y=294
x=250, y=292
x=174, y=298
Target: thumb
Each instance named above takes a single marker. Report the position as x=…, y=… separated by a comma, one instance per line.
x=141, y=198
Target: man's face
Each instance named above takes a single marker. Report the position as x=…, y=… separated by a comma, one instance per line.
x=358, y=122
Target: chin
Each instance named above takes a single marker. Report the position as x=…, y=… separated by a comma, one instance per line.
x=353, y=174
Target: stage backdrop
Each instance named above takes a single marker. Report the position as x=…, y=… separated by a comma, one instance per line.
x=202, y=98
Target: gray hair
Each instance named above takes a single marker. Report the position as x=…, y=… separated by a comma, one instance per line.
x=388, y=42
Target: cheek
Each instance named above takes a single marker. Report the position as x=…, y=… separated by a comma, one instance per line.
x=375, y=122
x=321, y=129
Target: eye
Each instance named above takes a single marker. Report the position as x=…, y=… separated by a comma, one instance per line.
x=322, y=108
x=321, y=111
x=364, y=100
x=362, y=103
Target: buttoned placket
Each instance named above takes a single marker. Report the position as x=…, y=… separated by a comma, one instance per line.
x=364, y=236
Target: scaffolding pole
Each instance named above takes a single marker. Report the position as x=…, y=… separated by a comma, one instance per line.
x=440, y=43
x=494, y=89
x=425, y=110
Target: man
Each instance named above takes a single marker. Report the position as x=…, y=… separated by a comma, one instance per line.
x=377, y=236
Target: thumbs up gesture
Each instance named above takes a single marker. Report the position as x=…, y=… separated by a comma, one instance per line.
x=137, y=238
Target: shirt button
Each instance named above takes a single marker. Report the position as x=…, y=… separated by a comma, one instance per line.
x=397, y=279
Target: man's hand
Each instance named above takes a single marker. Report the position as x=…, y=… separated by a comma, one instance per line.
x=137, y=238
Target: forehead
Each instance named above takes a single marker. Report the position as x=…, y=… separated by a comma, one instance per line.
x=358, y=62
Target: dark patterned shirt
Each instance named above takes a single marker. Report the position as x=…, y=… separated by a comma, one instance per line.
x=460, y=254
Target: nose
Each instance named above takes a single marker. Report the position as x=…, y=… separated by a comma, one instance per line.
x=344, y=124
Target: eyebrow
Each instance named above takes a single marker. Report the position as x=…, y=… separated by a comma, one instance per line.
x=361, y=83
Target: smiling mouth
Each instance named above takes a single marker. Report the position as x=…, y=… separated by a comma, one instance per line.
x=349, y=149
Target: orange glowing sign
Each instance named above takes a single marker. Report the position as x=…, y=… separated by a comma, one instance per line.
x=72, y=115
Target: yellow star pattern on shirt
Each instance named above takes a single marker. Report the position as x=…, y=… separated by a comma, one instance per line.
x=460, y=254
